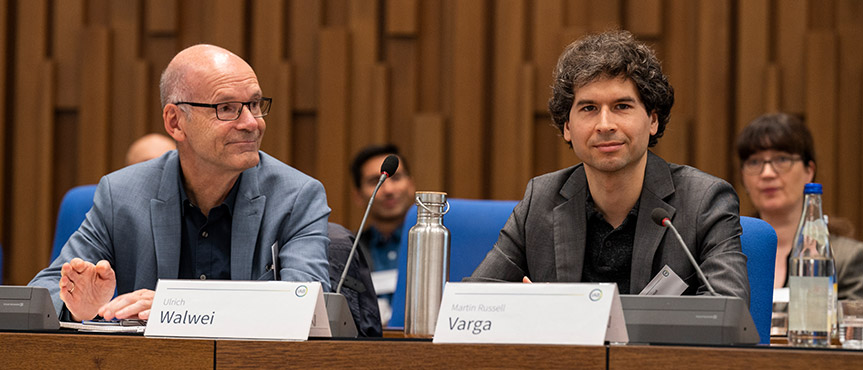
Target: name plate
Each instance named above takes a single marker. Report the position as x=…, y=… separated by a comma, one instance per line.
x=539, y=313
x=267, y=310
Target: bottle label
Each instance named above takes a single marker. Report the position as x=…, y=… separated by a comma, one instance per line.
x=810, y=307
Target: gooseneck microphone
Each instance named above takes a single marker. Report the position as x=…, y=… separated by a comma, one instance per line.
x=388, y=168
x=662, y=218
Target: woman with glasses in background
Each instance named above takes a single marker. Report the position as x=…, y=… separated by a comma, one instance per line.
x=777, y=160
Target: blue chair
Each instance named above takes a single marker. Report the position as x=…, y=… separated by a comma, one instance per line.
x=759, y=246
x=73, y=209
x=474, y=227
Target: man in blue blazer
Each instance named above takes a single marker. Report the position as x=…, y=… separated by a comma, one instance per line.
x=212, y=209
x=591, y=222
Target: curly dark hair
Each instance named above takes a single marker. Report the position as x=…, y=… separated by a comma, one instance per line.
x=371, y=151
x=608, y=55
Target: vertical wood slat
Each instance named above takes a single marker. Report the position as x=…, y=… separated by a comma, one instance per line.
x=605, y=15
x=429, y=159
x=401, y=57
x=772, y=88
x=227, y=25
x=162, y=17
x=644, y=18
x=752, y=57
x=363, y=22
x=466, y=162
x=304, y=30
x=849, y=118
x=548, y=24
x=791, y=35
x=821, y=96
x=94, y=129
x=333, y=118
x=676, y=143
x=713, y=117
x=402, y=17
x=44, y=162
x=4, y=86
x=28, y=134
x=509, y=47
x=431, y=78
x=68, y=20
x=125, y=48
x=266, y=59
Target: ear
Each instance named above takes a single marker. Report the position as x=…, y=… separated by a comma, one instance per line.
x=810, y=170
x=654, y=122
x=172, y=117
x=566, y=133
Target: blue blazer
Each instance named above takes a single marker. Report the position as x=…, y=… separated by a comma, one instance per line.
x=135, y=224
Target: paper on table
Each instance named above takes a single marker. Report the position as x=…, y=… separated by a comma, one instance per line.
x=103, y=328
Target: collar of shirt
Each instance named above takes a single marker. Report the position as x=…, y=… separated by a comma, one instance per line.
x=229, y=200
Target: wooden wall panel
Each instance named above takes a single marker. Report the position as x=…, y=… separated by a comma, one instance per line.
x=714, y=73
x=266, y=52
x=821, y=97
x=126, y=117
x=510, y=30
x=333, y=119
x=303, y=34
x=849, y=128
x=466, y=162
x=29, y=142
x=790, y=40
x=402, y=17
x=94, y=130
x=68, y=20
x=4, y=86
x=461, y=86
x=644, y=18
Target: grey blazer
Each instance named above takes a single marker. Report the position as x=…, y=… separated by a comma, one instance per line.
x=135, y=224
x=544, y=238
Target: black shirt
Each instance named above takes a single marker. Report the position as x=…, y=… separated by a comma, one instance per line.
x=608, y=251
x=205, y=247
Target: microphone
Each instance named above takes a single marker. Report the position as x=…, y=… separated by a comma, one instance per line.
x=388, y=168
x=662, y=218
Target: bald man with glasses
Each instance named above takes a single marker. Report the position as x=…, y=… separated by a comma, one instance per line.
x=212, y=209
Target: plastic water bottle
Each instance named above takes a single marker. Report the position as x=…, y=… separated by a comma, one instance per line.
x=811, y=277
x=428, y=265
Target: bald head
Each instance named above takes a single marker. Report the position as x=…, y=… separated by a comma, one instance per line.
x=148, y=147
x=194, y=67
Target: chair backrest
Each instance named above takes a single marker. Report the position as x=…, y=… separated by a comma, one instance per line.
x=73, y=209
x=759, y=246
x=474, y=227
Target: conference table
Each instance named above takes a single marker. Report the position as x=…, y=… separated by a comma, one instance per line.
x=106, y=351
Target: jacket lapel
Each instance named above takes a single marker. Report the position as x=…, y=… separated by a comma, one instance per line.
x=165, y=218
x=658, y=186
x=569, y=228
x=245, y=223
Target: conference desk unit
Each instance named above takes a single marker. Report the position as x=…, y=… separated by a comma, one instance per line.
x=107, y=351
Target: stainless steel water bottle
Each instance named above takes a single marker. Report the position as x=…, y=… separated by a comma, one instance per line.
x=428, y=264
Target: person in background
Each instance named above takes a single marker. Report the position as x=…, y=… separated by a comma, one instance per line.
x=592, y=222
x=379, y=243
x=148, y=147
x=777, y=159
x=209, y=210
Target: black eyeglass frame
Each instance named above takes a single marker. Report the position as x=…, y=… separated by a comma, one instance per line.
x=264, y=112
x=750, y=169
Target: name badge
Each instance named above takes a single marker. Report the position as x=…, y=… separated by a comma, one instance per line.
x=666, y=282
x=269, y=310
x=538, y=313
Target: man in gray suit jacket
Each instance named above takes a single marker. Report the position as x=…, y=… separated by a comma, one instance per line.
x=591, y=222
x=212, y=209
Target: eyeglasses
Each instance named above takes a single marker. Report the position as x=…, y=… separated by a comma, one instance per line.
x=230, y=111
x=781, y=164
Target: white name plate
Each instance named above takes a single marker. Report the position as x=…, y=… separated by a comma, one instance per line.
x=268, y=310
x=539, y=313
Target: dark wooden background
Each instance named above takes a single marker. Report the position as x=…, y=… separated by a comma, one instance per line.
x=460, y=85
